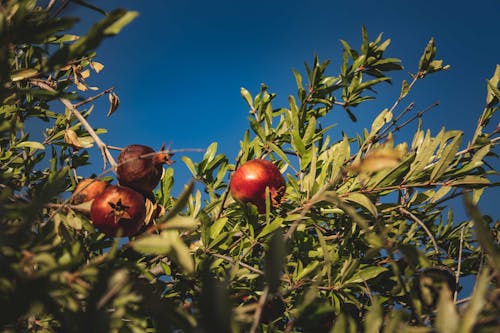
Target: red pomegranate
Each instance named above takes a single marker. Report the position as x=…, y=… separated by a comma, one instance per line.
x=250, y=180
x=140, y=168
x=118, y=207
x=87, y=189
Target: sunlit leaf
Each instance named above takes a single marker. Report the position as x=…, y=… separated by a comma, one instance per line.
x=23, y=74
x=30, y=144
x=114, y=102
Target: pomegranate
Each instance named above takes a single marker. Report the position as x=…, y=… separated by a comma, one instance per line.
x=87, y=189
x=118, y=207
x=250, y=180
x=140, y=168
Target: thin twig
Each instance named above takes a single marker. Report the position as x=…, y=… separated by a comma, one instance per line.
x=395, y=120
x=258, y=310
x=401, y=97
x=61, y=8
x=422, y=224
x=50, y=5
x=93, y=98
x=416, y=116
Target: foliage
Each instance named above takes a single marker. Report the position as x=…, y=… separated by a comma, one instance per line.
x=365, y=240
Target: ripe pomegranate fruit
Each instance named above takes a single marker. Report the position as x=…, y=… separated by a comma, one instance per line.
x=118, y=207
x=140, y=168
x=250, y=180
x=87, y=189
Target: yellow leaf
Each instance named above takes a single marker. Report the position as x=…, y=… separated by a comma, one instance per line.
x=85, y=74
x=96, y=66
x=377, y=160
x=71, y=138
x=81, y=86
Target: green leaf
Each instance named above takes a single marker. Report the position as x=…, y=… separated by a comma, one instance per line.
x=190, y=165
x=383, y=118
x=152, y=244
x=470, y=180
x=89, y=5
x=110, y=25
x=274, y=261
x=307, y=270
x=492, y=87
x=23, y=74
x=180, y=203
x=365, y=274
x=297, y=142
x=30, y=144
x=278, y=151
x=483, y=233
x=427, y=56
x=361, y=200
x=270, y=227
x=405, y=89
x=182, y=254
x=446, y=318
x=374, y=318
x=476, y=303
x=217, y=227
x=181, y=222
x=247, y=97
x=210, y=153
x=119, y=24
x=447, y=157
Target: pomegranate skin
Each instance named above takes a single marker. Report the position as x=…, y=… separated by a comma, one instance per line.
x=249, y=182
x=87, y=189
x=140, y=173
x=118, y=207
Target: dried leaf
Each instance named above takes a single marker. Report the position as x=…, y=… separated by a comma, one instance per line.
x=96, y=66
x=377, y=160
x=85, y=74
x=81, y=86
x=114, y=103
x=71, y=138
x=150, y=211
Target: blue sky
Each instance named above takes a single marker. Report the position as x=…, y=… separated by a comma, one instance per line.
x=178, y=68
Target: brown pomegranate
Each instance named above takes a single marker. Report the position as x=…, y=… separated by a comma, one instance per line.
x=118, y=207
x=140, y=168
x=87, y=189
x=250, y=180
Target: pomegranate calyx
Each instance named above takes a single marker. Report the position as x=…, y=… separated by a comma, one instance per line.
x=277, y=196
x=163, y=158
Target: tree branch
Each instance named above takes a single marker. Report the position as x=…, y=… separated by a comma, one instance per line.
x=102, y=146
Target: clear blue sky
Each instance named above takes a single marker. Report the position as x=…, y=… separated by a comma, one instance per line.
x=179, y=66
